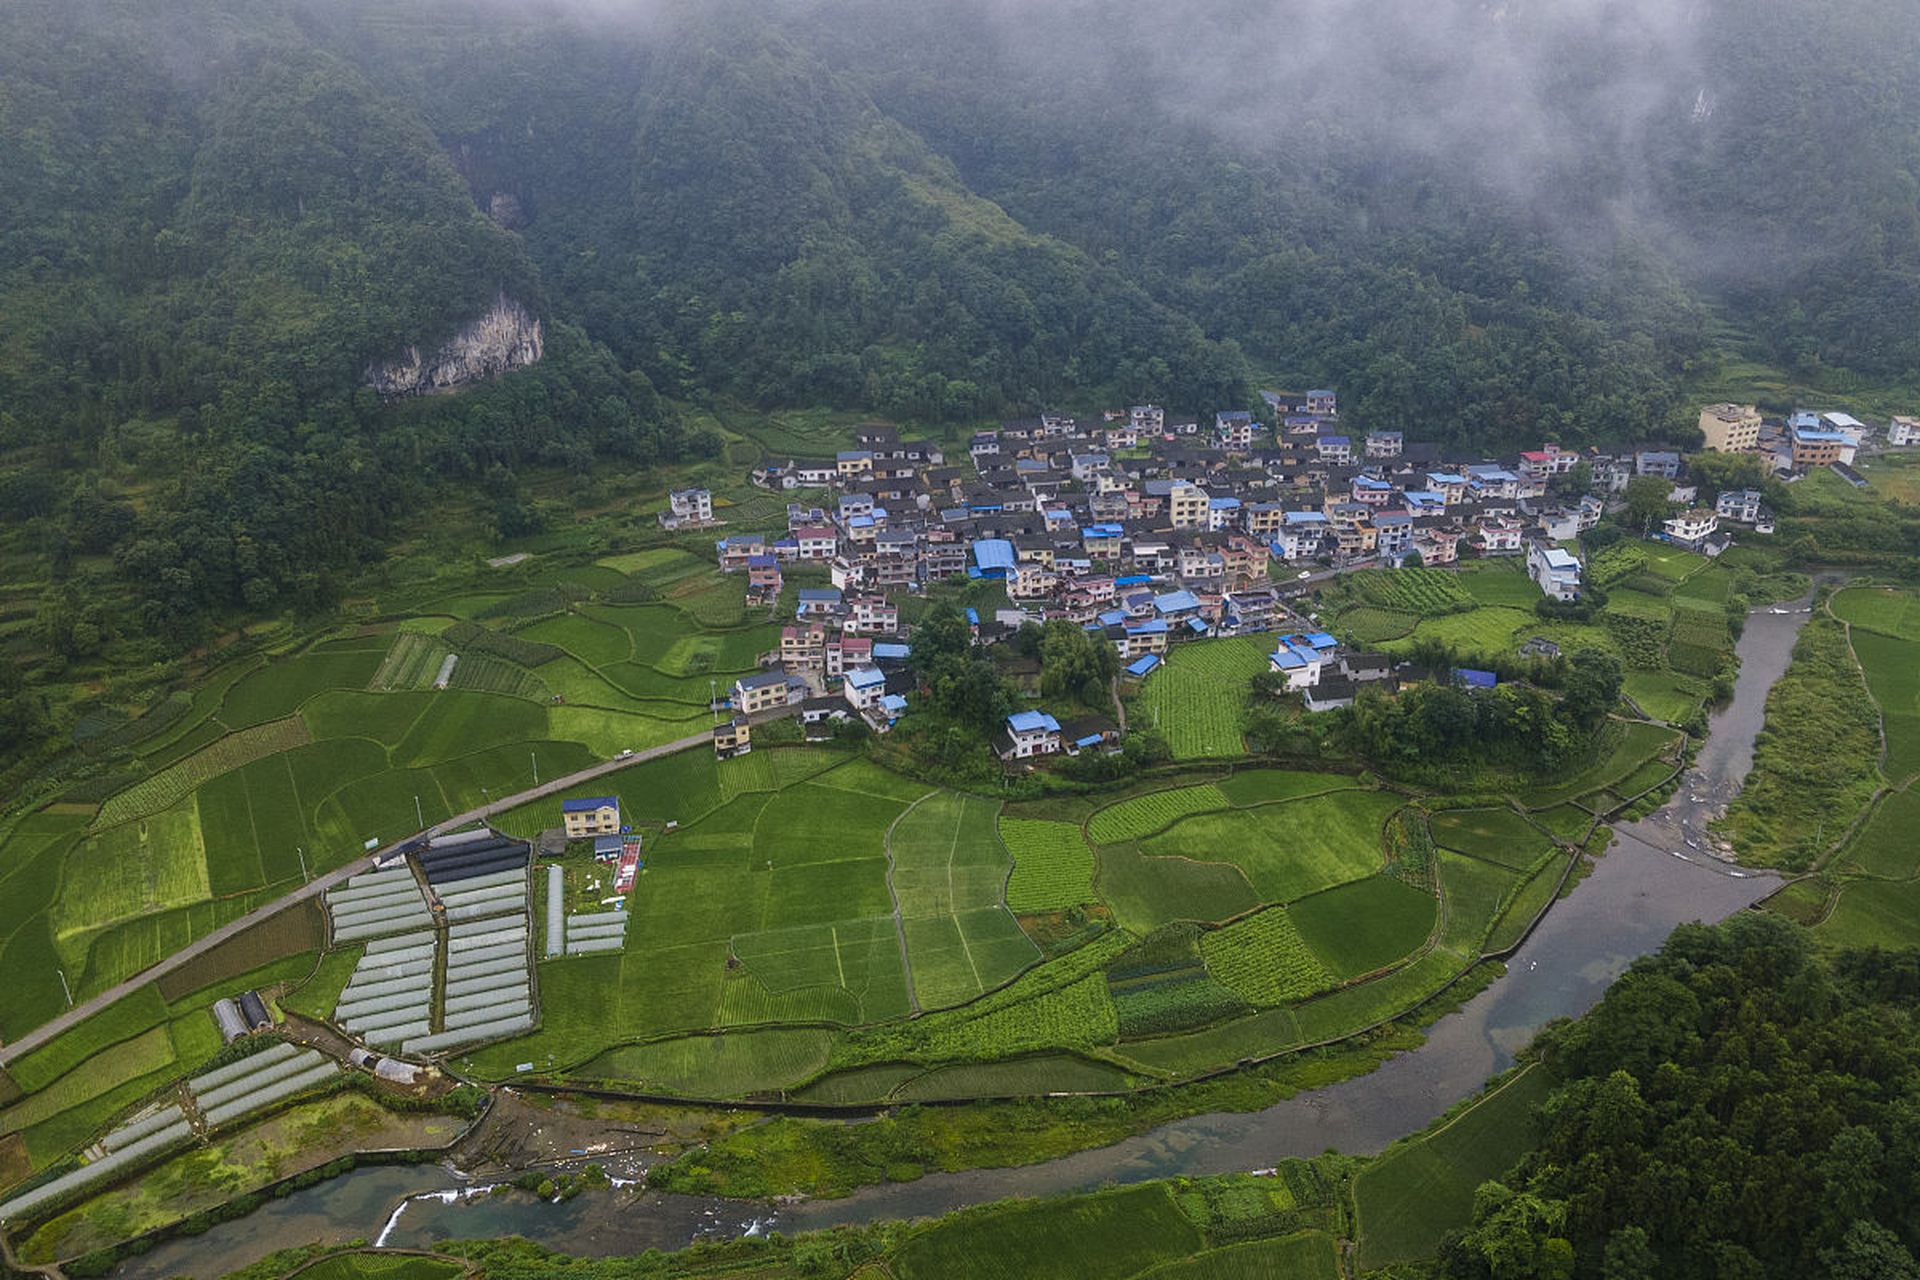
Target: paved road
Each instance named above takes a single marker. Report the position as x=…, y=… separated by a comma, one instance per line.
x=87, y=1008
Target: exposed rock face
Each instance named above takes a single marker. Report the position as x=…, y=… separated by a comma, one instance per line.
x=506, y=337
x=505, y=208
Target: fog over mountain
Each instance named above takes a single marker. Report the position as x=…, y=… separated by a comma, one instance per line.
x=1491, y=223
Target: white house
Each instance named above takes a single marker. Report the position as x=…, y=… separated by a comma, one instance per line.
x=687, y=507
x=1903, y=431
x=1692, y=527
x=1028, y=733
x=1742, y=505
x=1554, y=569
x=865, y=687
x=1299, y=663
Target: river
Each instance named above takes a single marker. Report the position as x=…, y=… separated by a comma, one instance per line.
x=1659, y=874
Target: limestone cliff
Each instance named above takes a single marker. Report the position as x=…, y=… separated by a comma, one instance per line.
x=506, y=337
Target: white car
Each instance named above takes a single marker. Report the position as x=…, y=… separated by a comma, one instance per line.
x=1305, y=574
x=624, y=754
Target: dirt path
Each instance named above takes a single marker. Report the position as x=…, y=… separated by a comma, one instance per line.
x=899, y=925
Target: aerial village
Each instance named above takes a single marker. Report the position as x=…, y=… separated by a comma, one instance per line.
x=1155, y=530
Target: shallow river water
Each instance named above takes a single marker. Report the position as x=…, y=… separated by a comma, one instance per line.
x=1660, y=873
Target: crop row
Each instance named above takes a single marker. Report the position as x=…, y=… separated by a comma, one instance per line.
x=1164, y=1006
x=1427, y=592
x=1076, y=1016
x=1265, y=959
x=1155, y=811
x=1052, y=866
x=1369, y=624
x=171, y=785
x=471, y=637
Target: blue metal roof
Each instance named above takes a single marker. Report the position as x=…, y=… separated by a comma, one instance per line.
x=1321, y=640
x=1198, y=625
x=587, y=804
x=1132, y=580
x=1143, y=666
x=973, y=617
x=1287, y=660
x=993, y=553
x=1152, y=628
x=1175, y=601
x=1474, y=679
x=829, y=594
x=890, y=650
x=1029, y=721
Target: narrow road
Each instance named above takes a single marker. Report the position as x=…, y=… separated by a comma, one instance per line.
x=87, y=1008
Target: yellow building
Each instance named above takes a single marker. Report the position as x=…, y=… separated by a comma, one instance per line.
x=1731, y=428
x=591, y=816
x=1188, y=506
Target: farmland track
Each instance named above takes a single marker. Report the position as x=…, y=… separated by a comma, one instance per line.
x=899, y=925
x=320, y=884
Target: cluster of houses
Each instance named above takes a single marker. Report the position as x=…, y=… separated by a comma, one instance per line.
x=1152, y=530
x=1789, y=447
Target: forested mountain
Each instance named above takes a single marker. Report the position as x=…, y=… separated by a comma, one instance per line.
x=1487, y=224
x=1736, y=1106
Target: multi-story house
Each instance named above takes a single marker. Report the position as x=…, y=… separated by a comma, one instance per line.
x=764, y=580
x=1147, y=418
x=1393, y=533
x=818, y=602
x=737, y=551
x=1691, y=528
x=816, y=542
x=1222, y=513
x=803, y=645
x=1450, y=485
x=1323, y=403
x=945, y=557
x=1657, y=462
x=1385, y=444
x=1741, y=505
x=767, y=691
x=1372, y=491
x=1731, y=428
x=873, y=615
x=1188, y=506
x=687, y=507
x=1438, y=546
x=846, y=653
x=1555, y=569
x=1902, y=432
x=864, y=687
x=1263, y=519
x=1486, y=481
x=1498, y=536
x=1028, y=734
x=1233, y=429
x=1031, y=580
x=1302, y=536
x=1817, y=447
x=1334, y=450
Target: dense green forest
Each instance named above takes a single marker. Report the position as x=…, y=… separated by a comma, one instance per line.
x=1737, y=1105
x=217, y=214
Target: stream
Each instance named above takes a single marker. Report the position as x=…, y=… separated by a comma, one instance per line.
x=1661, y=872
